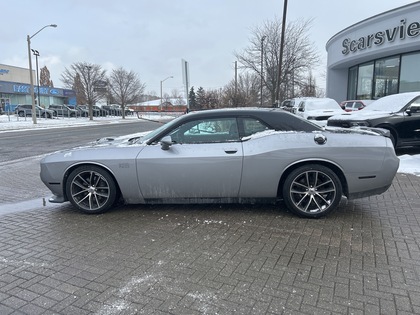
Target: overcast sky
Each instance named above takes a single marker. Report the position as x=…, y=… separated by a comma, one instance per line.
x=151, y=37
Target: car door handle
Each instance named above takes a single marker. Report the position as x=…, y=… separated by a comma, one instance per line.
x=231, y=151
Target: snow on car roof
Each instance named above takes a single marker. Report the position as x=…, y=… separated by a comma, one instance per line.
x=392, y=103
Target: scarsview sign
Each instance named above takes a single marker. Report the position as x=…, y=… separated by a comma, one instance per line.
x=402, y=31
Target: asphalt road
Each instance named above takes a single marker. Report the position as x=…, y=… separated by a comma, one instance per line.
x=24, y=144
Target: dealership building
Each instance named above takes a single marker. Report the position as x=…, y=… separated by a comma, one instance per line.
x=376, y=57
x=15, y=89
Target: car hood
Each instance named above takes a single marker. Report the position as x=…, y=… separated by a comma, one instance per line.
x=109, y=142
x=361, y=115
x=125, y=140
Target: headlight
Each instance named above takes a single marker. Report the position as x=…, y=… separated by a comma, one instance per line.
x=359, y=124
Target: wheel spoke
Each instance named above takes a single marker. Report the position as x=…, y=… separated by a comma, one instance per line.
x=312, y=191
x=90, y=190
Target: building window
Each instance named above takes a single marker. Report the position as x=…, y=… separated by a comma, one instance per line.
x=352, y=88
x=386, y=77
x=364, y=82
x=382, y=77
x=410, y=73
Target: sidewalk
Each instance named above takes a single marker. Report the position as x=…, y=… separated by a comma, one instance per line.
x=214, y=259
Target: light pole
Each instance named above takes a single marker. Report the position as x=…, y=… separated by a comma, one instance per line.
x=262, y=67
x=36, y=54
x=283, y=29
x=30, y=71
x=161, y=97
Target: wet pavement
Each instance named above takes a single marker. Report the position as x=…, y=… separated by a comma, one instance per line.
x=215, y=259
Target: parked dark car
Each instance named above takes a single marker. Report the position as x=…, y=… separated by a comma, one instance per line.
x=115, y=110
x=63, y=110
x=102, y=111
x=84, y=111
x=26, y=110
x=398, y=113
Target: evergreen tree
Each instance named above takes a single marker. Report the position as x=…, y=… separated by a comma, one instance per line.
x=201, y=98
x=192, y=99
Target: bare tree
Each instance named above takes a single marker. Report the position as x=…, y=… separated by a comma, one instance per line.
x=125, y=87
x=244, y=92
x=298, y=59
x=90, y=77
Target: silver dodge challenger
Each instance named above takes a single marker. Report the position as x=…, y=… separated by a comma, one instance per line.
x=226, y=156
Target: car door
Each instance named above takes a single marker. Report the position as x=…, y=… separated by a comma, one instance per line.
x=409, y=127
x=204, y=161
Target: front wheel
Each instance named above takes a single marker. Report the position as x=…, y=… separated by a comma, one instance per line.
x=312, y=191
x=91, y=189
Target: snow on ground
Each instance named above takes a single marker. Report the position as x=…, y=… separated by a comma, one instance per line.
x=408, y=163
x=15, y=123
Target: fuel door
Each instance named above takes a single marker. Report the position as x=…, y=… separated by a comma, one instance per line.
x=320, y=138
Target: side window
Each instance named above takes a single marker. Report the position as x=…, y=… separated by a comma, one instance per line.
x=358, y=105
x=252, y=126
x=301, y=107
x=349, y=105
x=415, y=106
x=207, y=131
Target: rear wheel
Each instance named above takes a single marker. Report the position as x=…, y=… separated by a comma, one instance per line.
x=91, y=189
x=312, y=191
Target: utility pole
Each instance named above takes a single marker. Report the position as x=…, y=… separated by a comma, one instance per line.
x=235, y=104
x=262, y=67
x=283, y=27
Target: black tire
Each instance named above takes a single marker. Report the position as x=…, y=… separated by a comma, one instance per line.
x=312, y=191
x=21, y=114
x=91, y=189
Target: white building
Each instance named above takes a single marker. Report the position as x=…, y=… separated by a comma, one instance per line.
x=376, y=57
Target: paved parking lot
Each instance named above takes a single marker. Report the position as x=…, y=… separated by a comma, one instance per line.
x=218, y=259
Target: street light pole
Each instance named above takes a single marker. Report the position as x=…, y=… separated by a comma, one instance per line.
x=161, y=97
x=279, y=74
x=262, y=67
x=36, y=54
x=31, y=77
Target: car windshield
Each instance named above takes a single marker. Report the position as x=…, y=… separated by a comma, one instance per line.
x=314, y=105
x=151, y=134
x=392, y=103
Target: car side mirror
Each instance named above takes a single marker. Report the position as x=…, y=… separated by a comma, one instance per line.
x=166, y=143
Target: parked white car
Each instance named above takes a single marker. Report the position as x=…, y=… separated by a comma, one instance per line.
x=318, y=110
x=292, y=104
